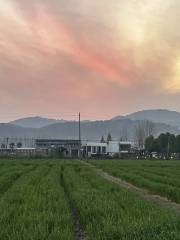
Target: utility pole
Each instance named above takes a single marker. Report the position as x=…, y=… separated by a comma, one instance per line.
x=7, y=142
x=168, y=147
x=79, y=134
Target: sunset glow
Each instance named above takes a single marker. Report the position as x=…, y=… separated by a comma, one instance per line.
x=59, y=56
x=174, y=84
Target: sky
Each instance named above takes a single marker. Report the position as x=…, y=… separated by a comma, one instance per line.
x=102, y=58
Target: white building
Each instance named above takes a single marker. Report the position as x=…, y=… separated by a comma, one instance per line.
x=95, y=148
x=113, y=147
x=110, y=148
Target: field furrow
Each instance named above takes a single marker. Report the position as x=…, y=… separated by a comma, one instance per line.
x=35, y=207
x=68, y=200
x=79, y=233
x=107, y=211
x=136, y=172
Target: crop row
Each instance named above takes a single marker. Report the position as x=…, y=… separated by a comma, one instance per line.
x=34, y=207
x=160, y=178
x=46, y=199
x=107, y=211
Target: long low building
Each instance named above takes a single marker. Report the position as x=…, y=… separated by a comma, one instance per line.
x=63, y=147
x=18, y=151
x=39, y=147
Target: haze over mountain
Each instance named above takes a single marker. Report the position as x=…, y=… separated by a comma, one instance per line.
x=119, y=127
x=155, y=115
x=94, y=130
x=35, y=122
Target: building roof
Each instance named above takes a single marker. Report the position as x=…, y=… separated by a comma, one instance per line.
x=96, y=144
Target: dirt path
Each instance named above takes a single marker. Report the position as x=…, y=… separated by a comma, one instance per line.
x=78, y=232
x=143, y=193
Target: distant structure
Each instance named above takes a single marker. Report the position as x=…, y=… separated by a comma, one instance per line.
x=17, y=146
x=109, y=149
x=39, y=147
x=67, y=148
x=24, y=152
x=9, y=142
x=59, y=147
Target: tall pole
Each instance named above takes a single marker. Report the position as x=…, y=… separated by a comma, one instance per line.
x=168, y=147
x=79, y=134
x=7, y=142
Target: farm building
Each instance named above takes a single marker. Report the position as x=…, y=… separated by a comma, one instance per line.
x=66, y=148
x=110, y=148
x=17, y=147
x=116, y=147
x=17, y=152
x=95, y=148
x=40, y=147
x=11, y=142
x=62, y=148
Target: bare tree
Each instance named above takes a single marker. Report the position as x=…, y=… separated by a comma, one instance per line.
x=12, y=145
x=102, y=139
x=123, y=134
x=143, y=130
x=109, y=138
x=149, y=128
x=3, y=145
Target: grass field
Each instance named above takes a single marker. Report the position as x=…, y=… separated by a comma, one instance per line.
x=51, y=199
x=32, y=202
x=159, y=177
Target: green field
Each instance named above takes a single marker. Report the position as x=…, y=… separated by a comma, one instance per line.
x=159, y=177
x=55, y=199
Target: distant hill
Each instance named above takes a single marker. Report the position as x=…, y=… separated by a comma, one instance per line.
x=119, y=127
x=96, y=129
x=90, y=130
x=10, y=130
x=35, y=122
x=158, y=116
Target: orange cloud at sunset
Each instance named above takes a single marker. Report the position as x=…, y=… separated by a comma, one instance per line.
x=76, y=54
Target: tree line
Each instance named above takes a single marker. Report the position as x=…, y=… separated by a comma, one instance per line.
x=109, y=138
x=142, y=130
x=11, y=145
x=166, y=144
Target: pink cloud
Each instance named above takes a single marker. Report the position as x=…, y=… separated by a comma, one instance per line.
x=58, y=56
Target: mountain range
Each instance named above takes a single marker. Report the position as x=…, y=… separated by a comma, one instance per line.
x=119, y=126
x=35, y=122
x=158, y=116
